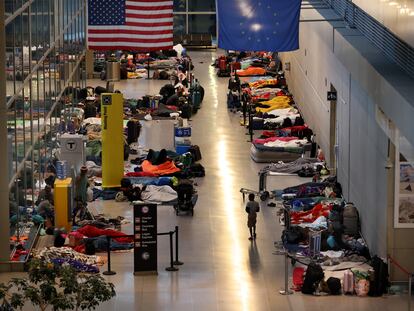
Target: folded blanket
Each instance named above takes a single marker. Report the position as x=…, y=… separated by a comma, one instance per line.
x=165, y=168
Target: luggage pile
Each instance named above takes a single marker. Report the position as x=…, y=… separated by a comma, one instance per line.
x=322, y=237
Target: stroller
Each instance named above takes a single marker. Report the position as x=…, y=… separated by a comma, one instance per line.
x=187, y=198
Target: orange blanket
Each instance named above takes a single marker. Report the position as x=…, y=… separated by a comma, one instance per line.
x=165, y=168
x=251, y=71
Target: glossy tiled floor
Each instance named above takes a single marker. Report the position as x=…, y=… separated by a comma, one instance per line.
x=223, y=270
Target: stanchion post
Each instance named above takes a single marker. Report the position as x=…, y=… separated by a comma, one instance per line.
x=250, y=124
x=171, y=267
x=108, y=249
x=286, y=291
x=410, y=297
x=177, y=262
x=244, y=111
x=148, y=63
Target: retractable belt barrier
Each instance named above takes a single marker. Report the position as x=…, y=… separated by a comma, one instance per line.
x=410, y=279
x=172, y=262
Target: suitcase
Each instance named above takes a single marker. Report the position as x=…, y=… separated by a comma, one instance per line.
x=196, y=97
x=233, y=101
x=314, y=243
x=195, y=152
x=348, y=284
x=236, y=66
x=222, y=64
x=133, y=130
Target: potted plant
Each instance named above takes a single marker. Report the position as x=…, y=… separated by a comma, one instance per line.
x=55, y=286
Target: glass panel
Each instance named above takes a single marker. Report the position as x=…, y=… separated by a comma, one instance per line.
x=202, y=23
x=179, y=24
x=202, y=5
x=12, y=6
x=179, y=6
x=34, y=113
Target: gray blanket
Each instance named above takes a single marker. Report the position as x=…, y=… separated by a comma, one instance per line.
x=291, y=167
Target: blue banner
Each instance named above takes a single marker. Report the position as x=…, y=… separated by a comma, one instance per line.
x=258, y=25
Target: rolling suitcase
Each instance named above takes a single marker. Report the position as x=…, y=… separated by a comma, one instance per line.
x=348, y=284
x=196, y=96
x=133, y=130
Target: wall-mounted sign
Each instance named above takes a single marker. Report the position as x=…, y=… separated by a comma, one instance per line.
x=332, y=96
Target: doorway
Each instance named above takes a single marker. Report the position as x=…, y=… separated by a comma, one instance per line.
x=333, y=135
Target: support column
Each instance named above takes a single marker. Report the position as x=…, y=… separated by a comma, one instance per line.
x=4, y=166
x=89, y=59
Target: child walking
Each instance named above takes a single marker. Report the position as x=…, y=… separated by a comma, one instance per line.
x=252, y=208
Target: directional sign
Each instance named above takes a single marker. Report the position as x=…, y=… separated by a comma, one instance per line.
x=106, y=100
x=71, y=145
x=145, y=238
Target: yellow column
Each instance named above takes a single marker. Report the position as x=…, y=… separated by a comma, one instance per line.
x=63, y=203
x=112, y=114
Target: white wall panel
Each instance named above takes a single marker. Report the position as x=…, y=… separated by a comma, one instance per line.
x=397, y=15
x=368, y=155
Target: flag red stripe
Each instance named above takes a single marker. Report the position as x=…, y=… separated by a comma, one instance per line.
x=120, y=39
x=129, y=32
x=148, y=16
x=149, y=25
x=148, y=8
x=129, y=48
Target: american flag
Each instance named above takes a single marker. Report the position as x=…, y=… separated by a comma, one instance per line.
x=140, y=25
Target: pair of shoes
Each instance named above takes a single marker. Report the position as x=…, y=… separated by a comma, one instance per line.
x=250, y=238
x=271, y=204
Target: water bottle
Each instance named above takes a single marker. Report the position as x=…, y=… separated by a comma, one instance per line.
x=61, y=169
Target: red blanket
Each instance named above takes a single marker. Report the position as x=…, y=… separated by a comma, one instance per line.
x=92, y=232
x=311, y=215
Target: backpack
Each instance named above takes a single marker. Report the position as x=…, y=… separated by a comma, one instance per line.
x=314, y=274
x=334, y=285
x=195, y=153
x=298, y=273
x=197, y=170
x=378, y=286
x=287, y=122
x=299, y=121
x=293, y=235
x=351, y=219
x=186, y=111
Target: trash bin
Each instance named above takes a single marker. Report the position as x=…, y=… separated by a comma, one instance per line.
x=113, y=71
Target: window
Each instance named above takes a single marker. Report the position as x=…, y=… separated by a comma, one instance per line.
x=202, y=5
x=202, y=23
x=180, y=26
x=180, y=5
